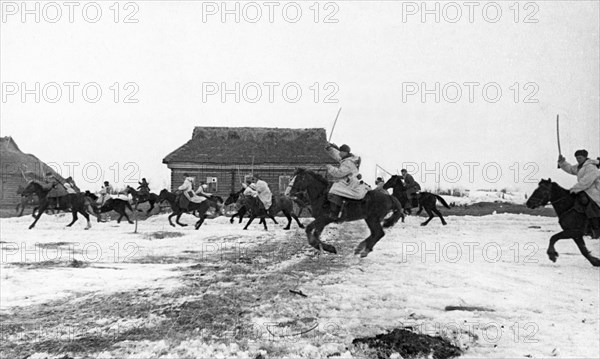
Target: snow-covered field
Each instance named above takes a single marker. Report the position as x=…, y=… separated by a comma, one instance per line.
x=534, y=308
x=475, y=196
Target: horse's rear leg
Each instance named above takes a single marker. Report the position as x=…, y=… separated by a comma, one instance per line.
x=289, y=218
x=151, y=207
x=376, y=234
x=586, y=253
x=297, y=220
x=87, y=218
x=430, y=216
x=126, y=216
x=439, y=214
x=171, y=216
x=74, y=218
x=177, y=220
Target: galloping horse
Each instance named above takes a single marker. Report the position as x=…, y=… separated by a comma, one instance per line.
x=76, y=202
x=240, y=200
x=139, y=197
x=571, y=221
x=426, y=200
x=112, y=204
x=281, y=203
x=373, y=209
x=213, y=201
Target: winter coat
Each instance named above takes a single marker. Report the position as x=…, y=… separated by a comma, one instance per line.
x=264, y=193
x=345, y=176
x=411, y=185
x=188, y=190
x=588, y=178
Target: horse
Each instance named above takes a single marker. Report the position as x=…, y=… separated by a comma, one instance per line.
x=373, y=209
x=572, y=222
x=303, y=202
x=112, y=204
x=139, y=197
x=213, y=201
x=281, y=203
x=426, y=200
x=240, y=201
x=76, y=202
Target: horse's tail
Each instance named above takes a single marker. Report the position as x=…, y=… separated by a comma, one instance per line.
x=442, y=201
x=398, y=213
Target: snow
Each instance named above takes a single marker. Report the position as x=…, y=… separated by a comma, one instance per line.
x=540, y=308
x=477, y=196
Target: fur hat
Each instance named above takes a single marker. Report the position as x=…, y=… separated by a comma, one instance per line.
x=253, y=186
x=345, y=148
x=583, y=153
x=379, y=179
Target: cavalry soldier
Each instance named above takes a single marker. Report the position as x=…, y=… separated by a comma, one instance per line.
x=70, y=186
x=202, y=190
x=379, y=182
x=105, y=193
x=144, y=187
x=587, y=188
x=347, y=183
x=412, y=187
x=188, y=192
x=264, y=193
x=56, y=188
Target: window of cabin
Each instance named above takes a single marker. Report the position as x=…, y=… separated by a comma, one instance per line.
x=212, y=184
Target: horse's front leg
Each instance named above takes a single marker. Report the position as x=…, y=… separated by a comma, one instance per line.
x=552, y=253
x=177, y=220
x=171, y=216
x=252, y=216
x=200, y=221
x=314, y=233
x=151, y=207
x=41, y=210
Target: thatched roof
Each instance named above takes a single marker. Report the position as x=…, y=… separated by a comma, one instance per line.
x=258, y=145
x=16, y=163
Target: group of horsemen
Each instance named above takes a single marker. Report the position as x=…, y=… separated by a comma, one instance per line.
x=347, y=184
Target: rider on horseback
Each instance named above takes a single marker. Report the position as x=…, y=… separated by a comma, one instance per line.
x=188, y=192
x=587, y=188
x=347, y=184
x=144, y=187
x=412, y=187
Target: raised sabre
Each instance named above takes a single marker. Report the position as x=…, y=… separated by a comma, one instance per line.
x=336, y=118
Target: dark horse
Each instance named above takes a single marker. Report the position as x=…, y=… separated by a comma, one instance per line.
x=111, y=204
x=173, y=199
x=139, y=197
x=373, y=209
x=571, y=221
x=426, y=200
x=76, y=202
x=281, y=203
x=240, y=201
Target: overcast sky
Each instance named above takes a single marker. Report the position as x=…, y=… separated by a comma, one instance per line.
x=173, y=60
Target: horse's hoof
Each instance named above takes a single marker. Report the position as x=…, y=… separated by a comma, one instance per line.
x=360, y=247
x=245, y=229
x=423, y=224
x=365, y=253
x=286, y=228
x=444, y=223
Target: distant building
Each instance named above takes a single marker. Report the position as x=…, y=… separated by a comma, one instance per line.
x=224, y=157
x=16, y=168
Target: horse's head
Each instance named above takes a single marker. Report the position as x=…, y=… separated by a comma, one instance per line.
x=304, y=180
x=33, y=187
x=91, y=195
x=394, y=182
x=541, y=195
x=163, y=195
x=233, y=197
